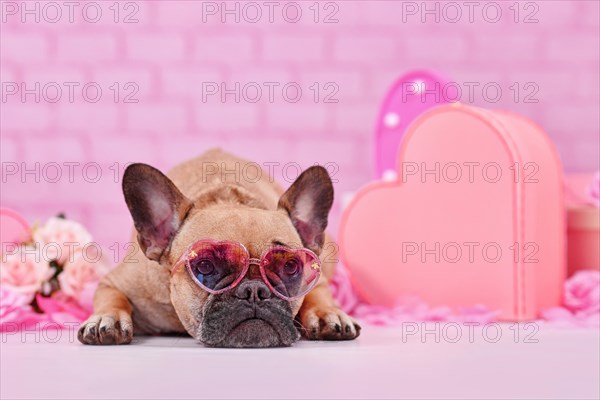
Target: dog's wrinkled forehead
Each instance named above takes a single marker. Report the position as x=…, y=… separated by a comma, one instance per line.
x=256, y=229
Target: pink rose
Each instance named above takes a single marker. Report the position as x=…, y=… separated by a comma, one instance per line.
x=582, y=293
x=24, y=271
x=60, y=238
x=581, y=302
x=80, y=278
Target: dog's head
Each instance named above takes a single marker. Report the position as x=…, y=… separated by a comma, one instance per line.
x=167, y=222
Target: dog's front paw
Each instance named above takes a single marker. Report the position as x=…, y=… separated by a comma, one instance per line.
x=108, y=328
x=328, y=323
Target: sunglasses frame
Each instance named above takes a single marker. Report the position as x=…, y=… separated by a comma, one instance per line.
x=189, y=255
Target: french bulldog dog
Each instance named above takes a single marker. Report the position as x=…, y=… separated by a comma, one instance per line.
x=145, y=295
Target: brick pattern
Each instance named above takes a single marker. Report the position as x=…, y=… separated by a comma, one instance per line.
x=171, y=55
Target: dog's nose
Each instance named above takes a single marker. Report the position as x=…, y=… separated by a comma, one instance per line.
x=253, y=291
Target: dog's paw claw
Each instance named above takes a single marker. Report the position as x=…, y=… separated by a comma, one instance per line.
x=112, y=328
x=329, y=324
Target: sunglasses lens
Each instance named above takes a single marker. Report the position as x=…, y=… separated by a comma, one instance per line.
x=217, y=266
x=291, y=272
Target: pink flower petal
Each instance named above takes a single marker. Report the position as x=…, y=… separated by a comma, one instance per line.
x=57, y=305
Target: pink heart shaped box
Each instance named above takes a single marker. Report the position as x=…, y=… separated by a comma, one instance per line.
x=485, y=225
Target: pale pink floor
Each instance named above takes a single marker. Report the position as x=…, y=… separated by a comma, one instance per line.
x=563, y=364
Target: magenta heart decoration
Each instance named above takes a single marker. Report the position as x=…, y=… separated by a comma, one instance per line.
x=476, y=216
x=412, y=94
x=13, y=227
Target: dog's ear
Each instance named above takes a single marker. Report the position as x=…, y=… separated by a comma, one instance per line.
x=308, y=202
x=158, y=208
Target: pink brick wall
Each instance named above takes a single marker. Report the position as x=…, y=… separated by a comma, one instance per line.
x=176, y=46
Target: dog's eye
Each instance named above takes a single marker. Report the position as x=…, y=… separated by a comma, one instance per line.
x=291, y=267
x=203, y=267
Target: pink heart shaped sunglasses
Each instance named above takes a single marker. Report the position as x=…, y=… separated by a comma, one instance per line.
x=219, y=266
